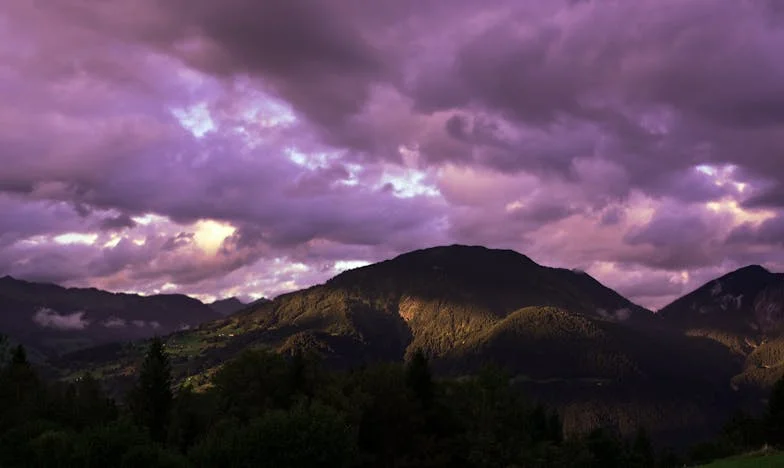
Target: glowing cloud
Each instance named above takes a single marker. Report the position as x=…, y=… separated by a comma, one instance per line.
x=343, y=265
x=739, y=214
x=196, y=119
x=76, y=238
x=210, y=234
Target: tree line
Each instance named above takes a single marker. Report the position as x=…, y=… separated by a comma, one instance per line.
x=265, y=409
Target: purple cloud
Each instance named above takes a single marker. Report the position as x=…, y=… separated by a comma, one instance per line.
x=247, y=148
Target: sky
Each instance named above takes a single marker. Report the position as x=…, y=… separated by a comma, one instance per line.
x=251, y=148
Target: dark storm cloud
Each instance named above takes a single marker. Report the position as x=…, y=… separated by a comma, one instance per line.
x=564, y=116
x=770, y=231
x=22, y=219
x=118, y=222
x=681, y=240
x=690, y=83
x=705, y=66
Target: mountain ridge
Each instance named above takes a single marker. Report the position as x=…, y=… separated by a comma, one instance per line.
x=227, y=306
x=565, y=337
x=54, y=319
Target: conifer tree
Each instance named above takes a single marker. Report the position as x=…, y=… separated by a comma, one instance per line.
x=774, y=420
x=150, y=400
x=3, y=350
x=643, y=454
x=419, y=379
x=21, y=375
x=92, y=405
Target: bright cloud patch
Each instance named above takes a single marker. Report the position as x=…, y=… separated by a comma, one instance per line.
x=408, y=183
x=343, y=265
x=739, y=214
x=209, y=235
x=196, y=119
x=75, y=238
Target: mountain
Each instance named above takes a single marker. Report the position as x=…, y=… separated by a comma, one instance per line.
x=51, y=319
x=744, y=311
x=566, y=338
x=227, y=306
x=747, y=300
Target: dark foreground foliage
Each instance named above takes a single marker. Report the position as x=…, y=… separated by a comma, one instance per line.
x=273, y=410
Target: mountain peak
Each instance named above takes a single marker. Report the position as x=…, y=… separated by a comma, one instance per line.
x=749, y=270
x=496, y=280
x=729, y=302
x=466, y=251
x=466, y=264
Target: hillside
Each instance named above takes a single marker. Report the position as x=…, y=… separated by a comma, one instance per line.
x=566, y=338
x=746, y=301
x=744, y=311
x=51, y=319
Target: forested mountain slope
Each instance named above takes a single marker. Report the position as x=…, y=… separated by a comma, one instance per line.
x=565, y=337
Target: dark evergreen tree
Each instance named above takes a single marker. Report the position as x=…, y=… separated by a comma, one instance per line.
x=419, y=380
x=743, y=433
x=606, y=448
x=540, y=424
x=774, y=420
x=20, y=389
x=642, y=453
x=301, y=380
x=251, y=384
x=389, y=419
x=191, y=416
x=554, y=428
x=668, y=459
x=150, y=400
x=90, y=404
x=311, y=435
x=3, y=350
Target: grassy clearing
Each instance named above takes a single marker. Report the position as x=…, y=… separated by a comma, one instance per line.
x=772, y=460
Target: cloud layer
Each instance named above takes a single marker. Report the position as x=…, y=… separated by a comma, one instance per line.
x=250, y=148
x=49, y=318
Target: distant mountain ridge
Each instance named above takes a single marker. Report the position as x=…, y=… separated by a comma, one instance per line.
x=744, y=311
x=747, y=299
x=227, y=306
x=53, y=319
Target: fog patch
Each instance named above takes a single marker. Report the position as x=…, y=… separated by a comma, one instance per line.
x=623, y=314
x=620, y=315
x=49, y=318
x=115, y=322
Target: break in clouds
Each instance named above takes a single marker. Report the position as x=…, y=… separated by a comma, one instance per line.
x=250, y=148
